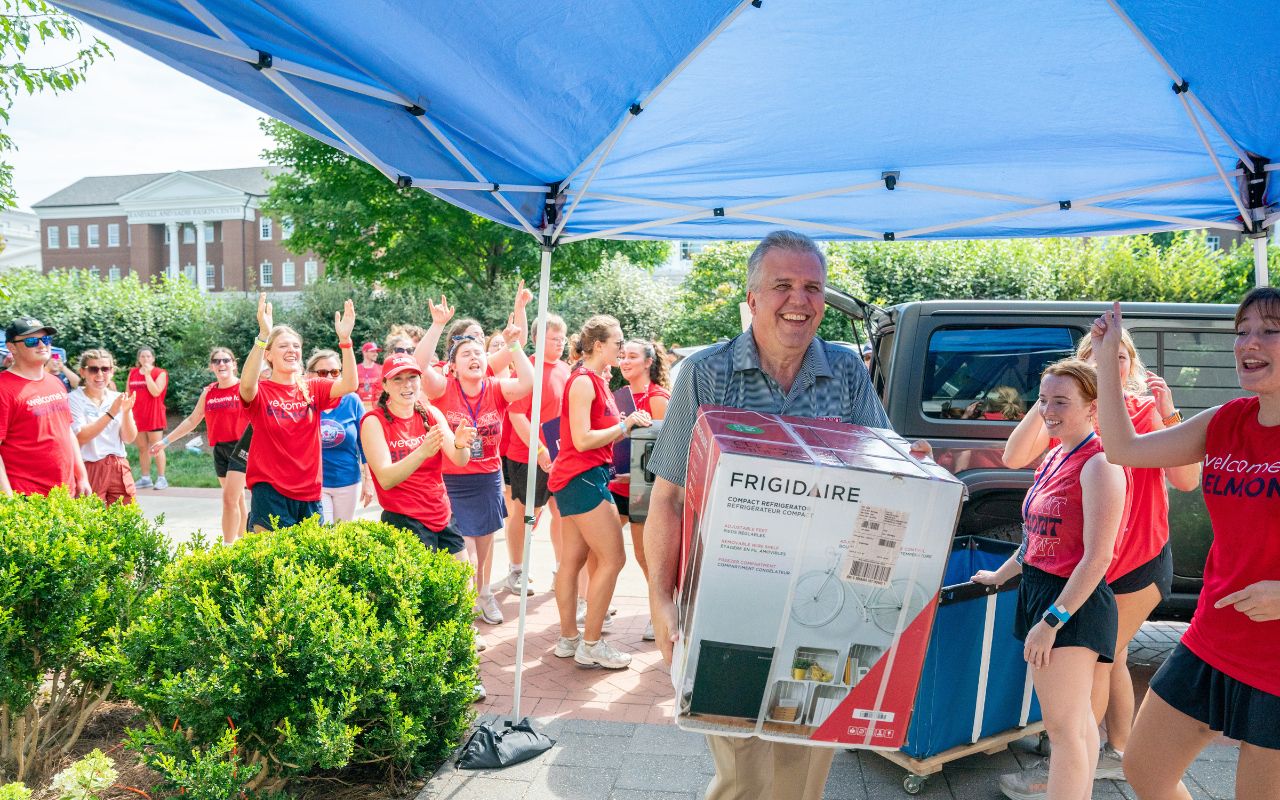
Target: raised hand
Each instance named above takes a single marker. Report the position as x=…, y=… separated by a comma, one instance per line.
x=440, y=314
x=117, y=405
x=130, y=400
x=265, y=316
x=463, y=435
x=433, y=440
x=345, y=323
x=511, y=334
x=523, y=295
x=1162, y=394
x=1105, y=332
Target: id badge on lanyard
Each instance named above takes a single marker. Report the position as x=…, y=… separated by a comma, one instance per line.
x=477, y=447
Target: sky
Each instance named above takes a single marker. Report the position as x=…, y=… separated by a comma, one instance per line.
x=133, y=114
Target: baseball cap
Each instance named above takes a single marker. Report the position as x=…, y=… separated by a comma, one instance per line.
x=400, y=362
x=866, y=349
x=27, y=326
x=367, y=346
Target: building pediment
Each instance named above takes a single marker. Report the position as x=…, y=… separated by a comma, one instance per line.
x=182, y=197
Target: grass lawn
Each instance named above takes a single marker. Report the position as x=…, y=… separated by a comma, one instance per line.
x=183, y=468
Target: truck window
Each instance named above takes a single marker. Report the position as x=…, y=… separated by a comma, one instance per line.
x=989, y=373
x=1200, y=368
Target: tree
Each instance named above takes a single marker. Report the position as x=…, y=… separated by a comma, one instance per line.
x=364, y=226
x=24, y=23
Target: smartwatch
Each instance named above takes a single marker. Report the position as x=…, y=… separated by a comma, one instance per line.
x=1055, y=616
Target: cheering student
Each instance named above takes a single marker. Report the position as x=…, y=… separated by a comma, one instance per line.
x=225, y=421
x=284, y=410
x=149, y=384
x=102, y=420
x=38, y=451
x=475, y=488
x=1224, y=676
x=346, y=478
x=370, y=373
x=590, y=425
x=1066, y=616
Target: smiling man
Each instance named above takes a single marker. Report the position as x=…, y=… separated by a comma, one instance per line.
x=38, y=451
x=777, y=366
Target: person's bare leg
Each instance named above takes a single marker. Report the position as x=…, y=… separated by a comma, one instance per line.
x=234, y=510
x=484, y=562
x=1257, y=773
x=144, y=453
x=573, y=557
x=1162, y=745
x=514, y=529
x=600, y=530
x=153, y=437
x=1064, y=688
x=1133, y=610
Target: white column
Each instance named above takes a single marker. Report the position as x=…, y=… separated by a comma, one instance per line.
x=202, y=277
x=174, y=231
x=1260, y=276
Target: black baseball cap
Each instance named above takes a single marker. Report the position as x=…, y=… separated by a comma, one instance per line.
x=27, y=326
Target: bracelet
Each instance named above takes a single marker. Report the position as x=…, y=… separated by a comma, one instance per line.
x=541, y=448
x=260, y=343
x=457, y=446
x=345, y=345
x=622, y=426
x=1172, y=419
x=514, y=347
x=164, y=440
x=109, y=414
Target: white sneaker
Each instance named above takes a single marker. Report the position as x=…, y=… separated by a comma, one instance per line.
x=481, y=694
x=1029, y=784
x=161, y=483
x=581, y=616
x=143, y=483
x=1110, y=764
x=490, y=611
x=567, y=647
x=601, y=654
x=648, y=634
x=481, y=644
x=512, y=582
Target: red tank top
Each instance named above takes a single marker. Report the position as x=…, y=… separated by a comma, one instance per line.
x=1148, y=527
x=1053, y=511
x=1241, y=484
x=570, y=462
x=148, y=410
x=486, y=412
x=420, y=496
x=224, y=417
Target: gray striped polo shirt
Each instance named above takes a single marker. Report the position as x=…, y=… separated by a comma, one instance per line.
x=832, y=384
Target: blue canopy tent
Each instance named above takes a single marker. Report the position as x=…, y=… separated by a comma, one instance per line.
x=724, y=119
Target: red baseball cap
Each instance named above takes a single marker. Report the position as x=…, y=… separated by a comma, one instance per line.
x=371, y=346
x=400, y=362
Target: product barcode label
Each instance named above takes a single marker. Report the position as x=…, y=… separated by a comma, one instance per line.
x=874, y=544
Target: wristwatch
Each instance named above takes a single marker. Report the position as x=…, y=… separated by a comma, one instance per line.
x=1055, y=616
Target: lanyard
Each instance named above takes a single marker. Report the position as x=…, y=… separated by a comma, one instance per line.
x=474, y=412
x=1047, y=475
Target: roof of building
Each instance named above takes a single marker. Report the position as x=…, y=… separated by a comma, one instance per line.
x=106, y=189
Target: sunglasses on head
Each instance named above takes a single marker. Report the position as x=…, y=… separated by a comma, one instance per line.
x=408, y=350
x=220, y=360
x=328, y=373
x=35, y=341
x=463, y=337
x=95, y=369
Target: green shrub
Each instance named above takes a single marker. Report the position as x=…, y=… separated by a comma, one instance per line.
x=14, y=791
x=72, y=573
x=323, y=646
x=215, y=772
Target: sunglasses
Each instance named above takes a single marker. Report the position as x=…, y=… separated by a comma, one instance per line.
x=328, y=373
x=223, y=360
x=97, y=370
x=408, y=350
x=35, y=341
x=463, y=338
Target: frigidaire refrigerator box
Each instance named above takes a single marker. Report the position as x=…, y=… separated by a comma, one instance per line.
x=812, y=559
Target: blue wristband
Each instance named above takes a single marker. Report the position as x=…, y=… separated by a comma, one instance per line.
x=1061, y=613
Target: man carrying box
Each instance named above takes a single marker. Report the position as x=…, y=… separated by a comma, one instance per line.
x=777, y=366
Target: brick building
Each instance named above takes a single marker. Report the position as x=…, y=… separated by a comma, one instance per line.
x=204, y=225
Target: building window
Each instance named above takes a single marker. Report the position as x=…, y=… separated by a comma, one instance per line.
x=188, y=234
x=286, y=274
x=73, y=236
x=286, y=228
x=113, y=235
x=113, y=274
x=264, y=228
x=310, y=271
x=266, y=275
x=210, y=275
x=55, y=240
x=166, y=234
x=95, y=272
x=91, y=232
x=690, y=249
x=1213, y=242
x=209, y=232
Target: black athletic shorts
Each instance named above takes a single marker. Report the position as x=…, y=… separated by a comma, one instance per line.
x=623, y=502
x=1094, y=625
x=448, y=539
x=270, y=509
x=1158, y=570
x=1223, y=703
x=516, y=475
x=224, y=459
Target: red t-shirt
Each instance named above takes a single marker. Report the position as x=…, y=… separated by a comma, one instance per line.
x=571, y=462
x=486, y=412
x=1053, y=512
x=36, y=442
x=1241, y=484
x=148, y=410
x=285, y=451
x=370, y=378
x=554, y=377
x=420, y=496
x=224, y=416
x=1148, y=527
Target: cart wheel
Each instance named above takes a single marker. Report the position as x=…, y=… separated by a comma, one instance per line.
x=1042, y=747
x=912, y=784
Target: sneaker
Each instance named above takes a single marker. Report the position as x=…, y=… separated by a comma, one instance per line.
x=143, y=483
x=481, y=694
x=581, y=616
x=648, y=634
x=601, y=654
x=1029, y=784
x=481, y=644
x=567, y=647
x=512, y=582
x=1110, y=766
x=161, y=483
x=490, y=611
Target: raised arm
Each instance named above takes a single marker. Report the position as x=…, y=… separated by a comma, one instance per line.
x=522, y=384
x=1185, y=478
x=253, y=362
x=1028, y=441
x=425, y=352
x=343, y=324
x=520, y=319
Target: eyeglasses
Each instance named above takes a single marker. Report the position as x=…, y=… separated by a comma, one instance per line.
x=97, y=370
x=328, y=373
x=35, y=341
x=223, y=360
x=408, y=350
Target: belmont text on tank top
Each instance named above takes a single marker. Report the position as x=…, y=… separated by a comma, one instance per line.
x=486, y=412
x=1053, y=512
x=1241, y=484
x=570, y=462
x=420, y=496
x=224, y=417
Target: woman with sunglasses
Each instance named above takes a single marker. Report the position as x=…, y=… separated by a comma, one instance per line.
x=225, y=422
x=469, y=395
x=102, y=420
x=346, y=477
x=149, y=384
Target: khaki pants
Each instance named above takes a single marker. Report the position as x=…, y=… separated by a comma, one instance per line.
x=755, y=769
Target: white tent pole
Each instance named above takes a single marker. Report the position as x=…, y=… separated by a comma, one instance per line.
x=639, y=226
x=1179, y=81
x=530, y=484
x=1022, y=212
x=637, y=201
x=604, y=154
x=1217, y=164
x=1125, y=194
x=1186, y=222
x=478, y=186
x=796, y=223
x=1261, y=275
x=1009, y=198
